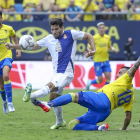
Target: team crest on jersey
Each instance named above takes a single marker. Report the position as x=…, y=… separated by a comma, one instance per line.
x=65, y=36
x=6, y=31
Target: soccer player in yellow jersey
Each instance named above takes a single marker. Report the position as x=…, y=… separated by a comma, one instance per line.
x=6, y=64
x=101, y=57
x=100, y=104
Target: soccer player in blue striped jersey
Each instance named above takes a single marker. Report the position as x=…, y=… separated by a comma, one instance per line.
x=102, y=103
x=62, y=47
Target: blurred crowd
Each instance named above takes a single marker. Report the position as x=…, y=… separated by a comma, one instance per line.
x=80, y=6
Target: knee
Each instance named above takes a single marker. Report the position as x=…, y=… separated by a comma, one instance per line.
x=6, y=77
x=72, y=124
x=100, y=79
x=2, y=87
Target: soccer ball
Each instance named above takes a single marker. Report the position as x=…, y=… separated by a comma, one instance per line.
x=26, y=42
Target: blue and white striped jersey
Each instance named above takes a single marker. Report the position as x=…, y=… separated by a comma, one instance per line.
x=62, y=50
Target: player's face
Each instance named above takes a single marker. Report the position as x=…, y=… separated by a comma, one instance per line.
x=101, y=29
x=57, y=31
x=121, y=72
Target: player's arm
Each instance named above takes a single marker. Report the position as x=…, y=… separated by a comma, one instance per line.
x=133, y=69
x=18, y=52
x=90, y=39
x=11, y=46
x=113, y=49
x=126, y=120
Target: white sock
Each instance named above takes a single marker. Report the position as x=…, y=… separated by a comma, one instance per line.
x=59, y=114
x=40, y=93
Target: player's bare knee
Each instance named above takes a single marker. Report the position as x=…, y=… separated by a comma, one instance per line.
x=2, y=87
x=100, y=79
x=51, y=86
x=72, y=124
x=6, y=77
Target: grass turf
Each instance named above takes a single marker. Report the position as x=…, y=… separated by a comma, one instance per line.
x=31, y=123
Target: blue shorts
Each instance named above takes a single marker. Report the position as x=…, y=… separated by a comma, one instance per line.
x=99, y=107
x=6, y=61
x=101, y=67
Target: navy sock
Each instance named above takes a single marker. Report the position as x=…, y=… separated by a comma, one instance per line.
x=8, y=90
x=3, y=95
x=85, y=126
x=61, y=100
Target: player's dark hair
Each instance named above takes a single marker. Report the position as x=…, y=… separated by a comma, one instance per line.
x=56, y=21
x=1, y=13
x=126, y=67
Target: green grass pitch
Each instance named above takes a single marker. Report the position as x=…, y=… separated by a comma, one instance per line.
x=29, y=122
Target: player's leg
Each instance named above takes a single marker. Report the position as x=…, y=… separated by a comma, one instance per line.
x=3, y=96
x=133, y=69
x=98, y=72
x=37, y=94
x=107, y=71
x=7, y=64
x=85, y=122
x=50, y=87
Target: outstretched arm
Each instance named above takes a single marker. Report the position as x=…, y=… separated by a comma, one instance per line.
x=133, y=69
x=11, y=46
x=90, y=39
x=126, y=120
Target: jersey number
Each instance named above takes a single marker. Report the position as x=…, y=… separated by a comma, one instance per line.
x=124, y=99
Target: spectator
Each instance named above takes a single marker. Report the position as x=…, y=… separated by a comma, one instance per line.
x=73, y=8
x=47, y=7
x=30, y=4
x=136, y=16
x=79, y=3
x=28, y=18
x=55, y=9
x=117, y=17
x=18, y=1
x=15, y=17
x=122, y=4
x=39, y=17
x=6, y=4
x=108, y=4
x=89, y=6
x=62, y=4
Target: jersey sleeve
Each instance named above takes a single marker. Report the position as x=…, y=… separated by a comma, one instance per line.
x=129, y=106
x=12, y=31
x=77, y=35
x=43, y=42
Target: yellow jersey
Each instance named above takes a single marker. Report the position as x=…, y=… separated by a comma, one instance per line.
x=101, y=44
x=7, y=5
x=35, y=2
x=92, y=7
x=121, y=3
x=120, y=92
x=5, y=33
x=63, y=3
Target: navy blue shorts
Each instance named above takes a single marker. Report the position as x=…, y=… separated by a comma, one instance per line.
x=99, y=107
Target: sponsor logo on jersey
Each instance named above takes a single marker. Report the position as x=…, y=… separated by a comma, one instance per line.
x=65, y=36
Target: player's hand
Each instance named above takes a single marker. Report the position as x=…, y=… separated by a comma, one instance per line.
x=91, y=53
x=115, y=50
x=18, y=53
x=9, y=46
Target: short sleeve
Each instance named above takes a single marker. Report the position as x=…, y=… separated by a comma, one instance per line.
x=43, y=42
x=129, y=106
x=12, y=31
x=77, y=35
